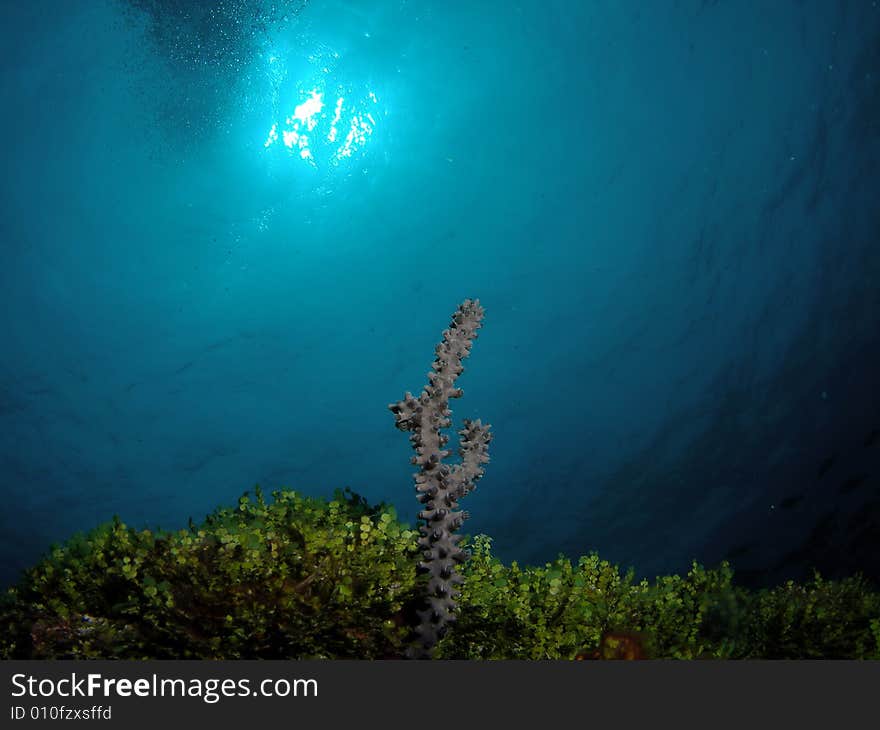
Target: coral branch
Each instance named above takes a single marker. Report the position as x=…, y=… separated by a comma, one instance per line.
x=440, y=485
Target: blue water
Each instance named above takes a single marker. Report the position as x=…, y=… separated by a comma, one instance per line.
x=670, y=211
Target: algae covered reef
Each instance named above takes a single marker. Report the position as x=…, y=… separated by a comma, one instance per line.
x=296, y=577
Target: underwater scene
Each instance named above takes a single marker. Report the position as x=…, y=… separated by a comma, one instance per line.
x=378, y=329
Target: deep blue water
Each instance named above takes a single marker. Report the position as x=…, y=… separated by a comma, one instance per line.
x=670, y=211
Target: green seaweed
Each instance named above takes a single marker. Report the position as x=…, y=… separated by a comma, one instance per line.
x=299, y=577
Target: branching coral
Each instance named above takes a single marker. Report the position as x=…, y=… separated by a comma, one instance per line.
x=440, y=485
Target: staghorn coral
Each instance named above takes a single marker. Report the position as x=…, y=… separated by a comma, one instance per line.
x=440, y=485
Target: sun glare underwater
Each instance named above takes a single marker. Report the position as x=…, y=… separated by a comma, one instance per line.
x=311, y=134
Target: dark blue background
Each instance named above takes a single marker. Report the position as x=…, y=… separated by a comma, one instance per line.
x=670, y=211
